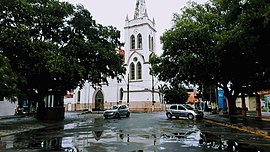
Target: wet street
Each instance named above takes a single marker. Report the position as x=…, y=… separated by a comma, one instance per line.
x=141, y=132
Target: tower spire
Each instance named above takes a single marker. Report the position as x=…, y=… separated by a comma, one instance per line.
x=140, y=10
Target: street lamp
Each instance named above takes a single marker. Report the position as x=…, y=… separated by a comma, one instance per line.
x=153, y=89
x=128, y=91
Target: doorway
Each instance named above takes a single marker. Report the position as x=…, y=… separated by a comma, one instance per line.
x=99, y=101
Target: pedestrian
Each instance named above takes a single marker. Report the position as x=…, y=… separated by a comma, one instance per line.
x=202, y=105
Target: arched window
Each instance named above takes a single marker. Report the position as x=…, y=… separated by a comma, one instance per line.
x=121, y=94
x=79, y=97
x=132, y=71
x=152, y=44
x=139, y=70
x=139, y=41
x=132, y=42
x=149, y=42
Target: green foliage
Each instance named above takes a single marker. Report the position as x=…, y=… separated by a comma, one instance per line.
x=55, y=45
x=220, y=43
x=174, y=94
x=8, y=79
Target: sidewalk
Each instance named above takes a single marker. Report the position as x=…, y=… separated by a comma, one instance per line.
x=251, y=123
x=21, y=123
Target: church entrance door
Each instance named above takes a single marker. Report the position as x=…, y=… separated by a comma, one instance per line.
x=99, y=101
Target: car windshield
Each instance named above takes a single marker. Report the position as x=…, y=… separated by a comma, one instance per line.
x=189, y=107
x=114, y=107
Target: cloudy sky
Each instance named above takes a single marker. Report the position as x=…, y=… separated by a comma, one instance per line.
x=114, y=12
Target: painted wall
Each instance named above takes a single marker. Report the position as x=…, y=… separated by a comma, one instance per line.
x=250, y=103
x=7, y=108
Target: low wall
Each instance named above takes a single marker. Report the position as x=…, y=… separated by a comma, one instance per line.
x=139, y=106
x=78, y=107
x=133, y=106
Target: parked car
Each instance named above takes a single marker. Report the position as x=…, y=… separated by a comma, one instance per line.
x=183, y=110
x=117, y=111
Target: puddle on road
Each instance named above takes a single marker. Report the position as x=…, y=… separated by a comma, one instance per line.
x=196, y=138
x=186, y=139
x=64, y=140
x=100, y=136
x=218, y=142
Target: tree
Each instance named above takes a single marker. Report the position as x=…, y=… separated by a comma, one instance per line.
x=8, y=80
x=174, y=94
x=212, y=44
x=248, y=34
x=56, y=46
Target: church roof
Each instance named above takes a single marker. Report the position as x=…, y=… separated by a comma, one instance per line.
x=140, y=10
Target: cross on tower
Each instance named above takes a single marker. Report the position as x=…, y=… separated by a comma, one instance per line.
x=140, y=10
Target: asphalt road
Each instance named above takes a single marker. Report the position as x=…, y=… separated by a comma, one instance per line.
x=142, y=132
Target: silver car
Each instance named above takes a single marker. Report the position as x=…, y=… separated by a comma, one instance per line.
x=183, y=110
x=117, y=111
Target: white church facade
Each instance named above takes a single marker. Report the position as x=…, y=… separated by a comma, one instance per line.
x=138, y=88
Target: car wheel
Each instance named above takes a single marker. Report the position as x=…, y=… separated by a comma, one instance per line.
x=128, y=114
x=106, y=117
x=117, y=115
x=169, y=115
x=190, y=116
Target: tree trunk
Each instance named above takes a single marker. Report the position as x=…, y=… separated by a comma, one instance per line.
x=244, y=112
x=231, y=100
x=232, y=106
x=40, y=108
x=258, y=106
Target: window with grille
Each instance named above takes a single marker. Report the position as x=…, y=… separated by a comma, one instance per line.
x=139, y=70
x=79, y=97
x=132, y=71
x=139, y=41
x=132, y=42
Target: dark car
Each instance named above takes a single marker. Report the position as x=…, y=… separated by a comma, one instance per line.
x=183, y=110
x=117, y=111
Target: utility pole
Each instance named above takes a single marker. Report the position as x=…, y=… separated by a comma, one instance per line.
x=128, y=91
x=153, y=101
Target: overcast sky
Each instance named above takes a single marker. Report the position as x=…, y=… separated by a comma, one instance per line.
x=114, y=12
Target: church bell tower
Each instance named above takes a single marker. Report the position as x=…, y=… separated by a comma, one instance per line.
x=140, y=40
x=140, y=33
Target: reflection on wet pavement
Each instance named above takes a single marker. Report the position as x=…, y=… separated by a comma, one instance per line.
x=217, y=142
x=141, y=132
x=187, y=139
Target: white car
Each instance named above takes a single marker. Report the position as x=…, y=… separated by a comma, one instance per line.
x=117, y=111
x=183, y=110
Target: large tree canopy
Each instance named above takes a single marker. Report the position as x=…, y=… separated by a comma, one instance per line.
x=222, y=43
x=176, y=95
x=54, y=45
x=8, y=80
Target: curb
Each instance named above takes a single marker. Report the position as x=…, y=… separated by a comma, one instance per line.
x=11, y=117
x=256, y=131
x=92, y=112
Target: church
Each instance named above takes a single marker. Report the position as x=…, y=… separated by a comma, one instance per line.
x=138, y=89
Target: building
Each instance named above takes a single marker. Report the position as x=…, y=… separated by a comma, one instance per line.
x=138, y=88
x=7, y=107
